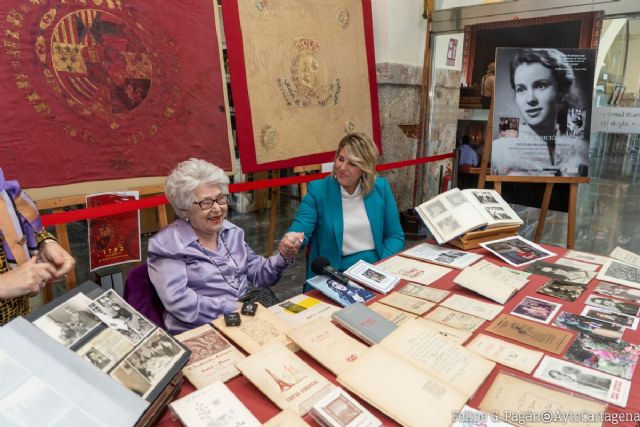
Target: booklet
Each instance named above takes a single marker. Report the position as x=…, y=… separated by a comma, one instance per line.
x=343, y=294
x=338, y=409
x=453, y=213
x=301, y=309
x=372, y=277
x=448, y=257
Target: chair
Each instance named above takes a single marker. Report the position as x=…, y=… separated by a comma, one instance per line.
x=141, y=295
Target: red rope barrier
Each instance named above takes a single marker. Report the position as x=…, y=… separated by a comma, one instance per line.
x=154, y=201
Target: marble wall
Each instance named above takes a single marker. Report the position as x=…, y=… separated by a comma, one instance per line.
x=399, y=88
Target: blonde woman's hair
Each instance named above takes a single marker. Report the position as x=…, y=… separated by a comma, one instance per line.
x=363, y=153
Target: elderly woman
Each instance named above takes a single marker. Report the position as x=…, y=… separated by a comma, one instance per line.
x=200, y=264
x=546, y=94
x=350, y=215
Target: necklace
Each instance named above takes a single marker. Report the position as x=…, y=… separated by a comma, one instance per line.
x=224, y=277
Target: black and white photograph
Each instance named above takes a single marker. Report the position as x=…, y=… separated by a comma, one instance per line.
x=536, y=309
x=516, y=250
x=436, y=208
x=484, y=197
x=549, y=91
x=563, y=290
x=618, y=291
x=497, y=212
x=560, y=272
x=374, y=275
x=131, y=378
x=155, y=356
x=97, y=358
x=117, y=314
x=105, y=349
x=610, y=304
x=70, y=321
x=448, y=225
x=456, y=199
x=584, y=380
x=621, y=273
x=630, y=322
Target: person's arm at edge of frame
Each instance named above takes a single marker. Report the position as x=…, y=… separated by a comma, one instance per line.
x=392, y=233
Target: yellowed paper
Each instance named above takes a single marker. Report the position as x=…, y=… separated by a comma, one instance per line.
x=413, y=270
x=505, y=353
x=284, y=378
x=516, y=399
x=401, y=390
x=407, y=303
x=423, y=292
x=326, y=343
x=472, y=306
x=286, y=418
x=442, y=358
x=456, y=335
x=455, y=319
x=390, y=313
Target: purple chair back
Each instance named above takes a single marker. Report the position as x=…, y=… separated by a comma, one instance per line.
x=141, y=295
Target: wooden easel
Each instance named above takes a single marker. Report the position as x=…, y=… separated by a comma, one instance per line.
x=549, y=181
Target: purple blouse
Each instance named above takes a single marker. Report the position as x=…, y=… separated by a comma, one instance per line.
x=195, y=284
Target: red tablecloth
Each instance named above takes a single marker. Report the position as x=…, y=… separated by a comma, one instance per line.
x=264, y=409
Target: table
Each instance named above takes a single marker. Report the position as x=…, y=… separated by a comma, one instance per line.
x=264, y=409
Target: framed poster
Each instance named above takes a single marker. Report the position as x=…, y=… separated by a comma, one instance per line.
x=102, y=90
x=303, y=75
x=542, y=111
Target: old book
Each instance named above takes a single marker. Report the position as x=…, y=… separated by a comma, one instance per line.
x=472, y=306
x=584, y=380
x=300, y=309
x=470, y=417
x=510, y=396
x=577, y=264
x=447, y=257
x=455, y=212
x=213, y=405
x=531, y=333
x=338, y=409
x=413, y=270
x=372, y=277
x=586, y=256
x=328, y=344
x=455, y=319
x=286, y=418
x=443, y=359
x=212, y=359
x=364, y=323
x=44, y=382
x=423, y=292
x=256, y=331
x=402, y=390
x=407, y=303
x=514, y=278
x=390, y=313
x=284, y=378
x=505, y=353
x=485, y=285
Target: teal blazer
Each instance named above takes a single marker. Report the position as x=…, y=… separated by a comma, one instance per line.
x=320, y=219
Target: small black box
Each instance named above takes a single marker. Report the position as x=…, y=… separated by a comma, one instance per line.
x=249, y=308
x=232, y=319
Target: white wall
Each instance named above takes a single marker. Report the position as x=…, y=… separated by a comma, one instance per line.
x=399, y=31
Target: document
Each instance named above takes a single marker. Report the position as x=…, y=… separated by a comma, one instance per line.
x=472, y=306
x=505, y=353
x=447, y=257
x=455, y=319
x=423, y=292
x=531, y=333
x=391, y=313
x=412, y=270
x=407, y=303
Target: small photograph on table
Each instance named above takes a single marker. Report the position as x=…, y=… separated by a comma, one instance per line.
x=536, y=309
x=516, y=250
x=564, y=290
x=610, y=304
x=618, y=291
x=615, y=358
x=609, y=316
x=560, y=272
x=597, y=328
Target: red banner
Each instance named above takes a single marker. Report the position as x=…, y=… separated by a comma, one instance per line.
x=108, y=89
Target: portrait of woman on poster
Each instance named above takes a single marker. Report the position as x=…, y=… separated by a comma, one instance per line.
x=550, y=140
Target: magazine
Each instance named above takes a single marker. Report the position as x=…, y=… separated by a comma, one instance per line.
x=448, y=257
x=516, y=250
x=453, y=213
x=343, y=294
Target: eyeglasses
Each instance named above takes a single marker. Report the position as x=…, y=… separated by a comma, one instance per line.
x=207, y=203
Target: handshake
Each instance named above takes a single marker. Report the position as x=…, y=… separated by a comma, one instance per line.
x=290, y=244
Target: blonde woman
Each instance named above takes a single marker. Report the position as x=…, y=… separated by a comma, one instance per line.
x=350, y=215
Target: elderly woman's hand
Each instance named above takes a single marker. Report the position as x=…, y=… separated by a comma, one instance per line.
x=52, y=253
x=290, y=244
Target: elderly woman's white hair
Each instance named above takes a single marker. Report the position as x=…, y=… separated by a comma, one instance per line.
x=186, y=177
